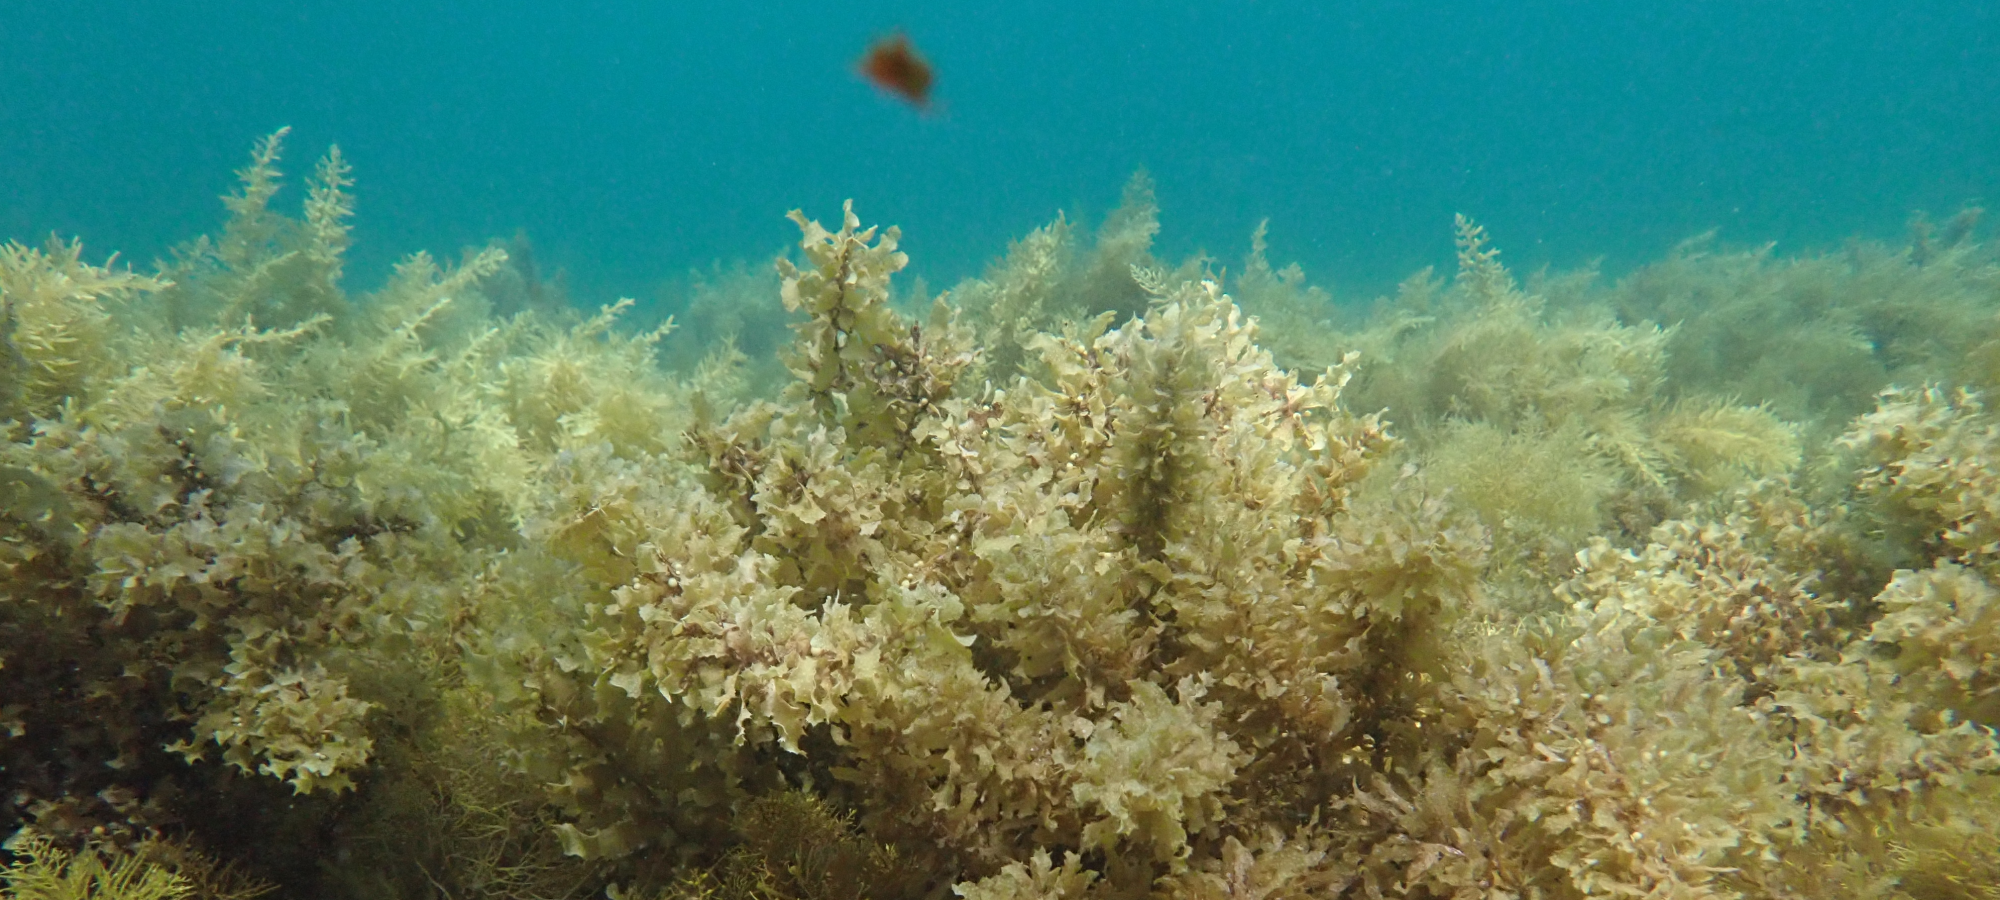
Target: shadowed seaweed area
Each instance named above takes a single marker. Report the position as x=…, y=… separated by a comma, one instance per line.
x=1097, y=576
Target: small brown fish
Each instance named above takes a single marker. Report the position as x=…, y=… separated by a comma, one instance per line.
x=894, y=66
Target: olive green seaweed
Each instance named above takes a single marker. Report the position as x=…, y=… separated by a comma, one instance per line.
x=1096, y=577
x=43, y=871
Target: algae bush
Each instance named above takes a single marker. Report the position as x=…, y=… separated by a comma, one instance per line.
x=1094, y=577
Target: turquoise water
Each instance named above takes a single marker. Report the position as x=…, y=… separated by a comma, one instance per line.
x=632, y=141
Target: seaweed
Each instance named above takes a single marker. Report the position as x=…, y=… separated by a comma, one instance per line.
x=1076, y=580
x=43, y=871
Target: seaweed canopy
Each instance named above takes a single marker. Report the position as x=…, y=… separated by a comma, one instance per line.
x=1817, y=335
x=1140, y=619
x=1072, y=590
x=995, y=621
x=1549, y=417
x=241, y=515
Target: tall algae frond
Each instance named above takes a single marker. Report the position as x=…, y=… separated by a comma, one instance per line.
x=1070, y=588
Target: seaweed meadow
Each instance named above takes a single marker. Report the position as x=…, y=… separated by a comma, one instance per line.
x=1099, y=575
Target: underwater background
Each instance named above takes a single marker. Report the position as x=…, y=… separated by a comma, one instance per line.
x=1449, y=452
x=634, y=141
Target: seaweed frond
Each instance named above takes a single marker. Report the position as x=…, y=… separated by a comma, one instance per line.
x=43, y=871
x=328, y=207
x=58, y=336
x=1479, y=268
x=251, y=226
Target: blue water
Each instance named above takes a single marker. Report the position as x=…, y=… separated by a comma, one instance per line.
x=634, y=140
